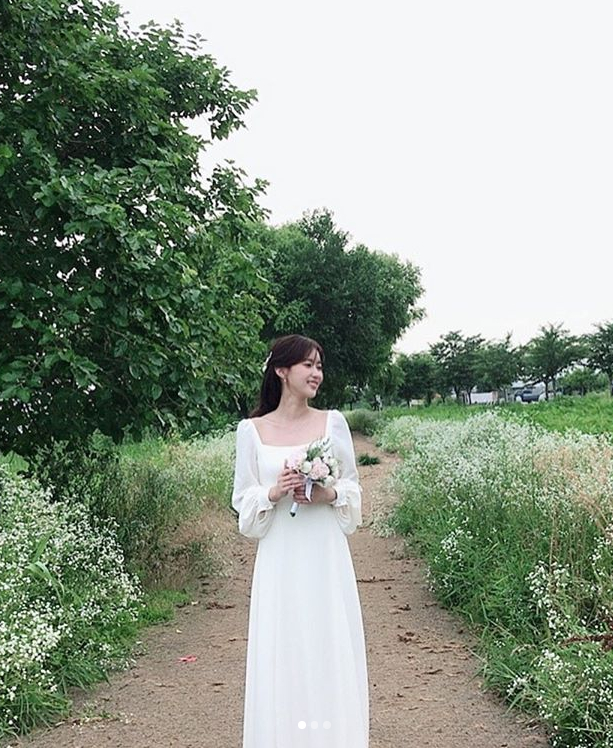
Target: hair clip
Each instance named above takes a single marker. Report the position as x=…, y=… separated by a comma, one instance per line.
x=266, y=362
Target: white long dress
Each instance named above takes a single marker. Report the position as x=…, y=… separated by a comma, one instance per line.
x=306, y=680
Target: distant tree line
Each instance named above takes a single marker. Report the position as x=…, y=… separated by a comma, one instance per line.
x=459, y=364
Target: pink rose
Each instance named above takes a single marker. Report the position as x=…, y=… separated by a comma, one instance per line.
x=319, y=470
x=295, y=460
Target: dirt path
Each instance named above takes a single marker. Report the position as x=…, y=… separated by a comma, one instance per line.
x=423, y=689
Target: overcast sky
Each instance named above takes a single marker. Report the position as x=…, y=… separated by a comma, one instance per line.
x=474, y=139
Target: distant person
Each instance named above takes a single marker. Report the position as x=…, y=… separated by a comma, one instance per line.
x=306, y=680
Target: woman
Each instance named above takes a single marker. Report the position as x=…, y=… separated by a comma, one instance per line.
x=306, y=675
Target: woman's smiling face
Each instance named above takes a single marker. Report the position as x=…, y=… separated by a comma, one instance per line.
x=305, y=377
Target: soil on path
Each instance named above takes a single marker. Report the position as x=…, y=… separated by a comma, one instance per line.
x=423, y=686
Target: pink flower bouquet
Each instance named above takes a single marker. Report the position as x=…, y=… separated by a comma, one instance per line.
x=317, y=463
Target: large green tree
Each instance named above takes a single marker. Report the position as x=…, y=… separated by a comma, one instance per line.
x=130, y=289
x=600, y=350
x=419, y=376
x=499, y=364
x=458, y=360
x=383, y=387
x=551, y=352
x=355, y=301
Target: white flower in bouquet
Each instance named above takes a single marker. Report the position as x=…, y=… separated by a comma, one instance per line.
x=317, y=463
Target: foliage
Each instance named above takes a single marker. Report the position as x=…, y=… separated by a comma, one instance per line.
x=458, y=360
x=499, y=364
x=362, y=421
x=68, y=609
x=82, y=469
x=384, y=384
x=548, y=354
x=592, y=414
x=419, y=376
x=367, y=459
x=131, y=292
x=149, y=492
x=582, y=380
x=516, y=524
x=355, y=302
x=13, y=462
x=600, y=350
x=437, y=410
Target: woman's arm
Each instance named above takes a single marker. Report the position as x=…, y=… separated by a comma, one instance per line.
x=348, y=504
x=249, y=497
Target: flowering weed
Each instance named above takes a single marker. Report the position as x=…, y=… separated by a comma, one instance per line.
x=68, y=611
x=516, y=523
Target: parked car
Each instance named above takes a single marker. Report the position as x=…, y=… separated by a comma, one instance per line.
x=531, y=394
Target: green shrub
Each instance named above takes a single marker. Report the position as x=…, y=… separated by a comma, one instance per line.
x=68, y=610
x=148, y=489
x=82, y=469
x=363, y=421
x=367, y=459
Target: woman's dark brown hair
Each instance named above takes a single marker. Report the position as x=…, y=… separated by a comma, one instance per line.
x=285, y=351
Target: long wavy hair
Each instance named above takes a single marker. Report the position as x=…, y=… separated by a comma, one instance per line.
x=285, y=351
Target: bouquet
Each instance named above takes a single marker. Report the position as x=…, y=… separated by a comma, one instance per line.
x=317, y=463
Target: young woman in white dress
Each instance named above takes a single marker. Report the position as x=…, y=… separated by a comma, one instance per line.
x=306, y=672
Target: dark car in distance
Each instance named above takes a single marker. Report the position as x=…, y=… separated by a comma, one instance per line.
x=531, y=394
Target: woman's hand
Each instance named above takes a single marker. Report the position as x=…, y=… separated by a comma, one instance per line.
x=287, y=481
x=321, y=495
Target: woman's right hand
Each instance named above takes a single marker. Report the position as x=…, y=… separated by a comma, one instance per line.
x=287, y=481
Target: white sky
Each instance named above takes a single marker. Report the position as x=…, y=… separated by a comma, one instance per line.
x=474, y=138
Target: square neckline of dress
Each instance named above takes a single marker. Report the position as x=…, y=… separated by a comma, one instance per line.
x=289, y=446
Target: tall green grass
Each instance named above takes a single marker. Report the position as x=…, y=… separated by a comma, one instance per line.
x=149, y=489
x=590, y=414
x=516, y=524
x=86, y=551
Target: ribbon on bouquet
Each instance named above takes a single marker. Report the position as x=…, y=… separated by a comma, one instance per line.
x=308, y=490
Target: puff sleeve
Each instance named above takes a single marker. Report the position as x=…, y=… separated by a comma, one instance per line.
x=348, y=504
x=249, y=497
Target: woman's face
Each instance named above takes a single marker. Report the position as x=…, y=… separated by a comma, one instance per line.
x=305, y=377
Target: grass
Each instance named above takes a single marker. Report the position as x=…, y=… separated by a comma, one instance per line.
x=591, y=414
x=515, y=521
x=73, y=597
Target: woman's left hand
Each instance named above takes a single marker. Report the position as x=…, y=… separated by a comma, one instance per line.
x=321, y=495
